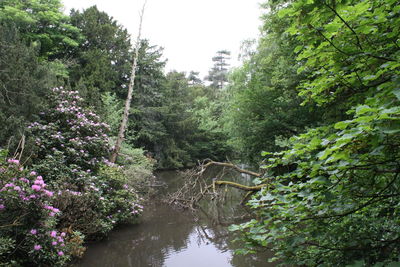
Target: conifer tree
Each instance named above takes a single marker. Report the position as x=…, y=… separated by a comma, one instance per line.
x=218, y=75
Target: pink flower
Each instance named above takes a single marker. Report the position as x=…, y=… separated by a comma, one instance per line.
x=33, y=173
x=60, y=253
x=2, y=206
x=39, y=182
x=48, y=193
x=63, y=234
x=33, y=232
x=53, y=233
x=54, y=243
x=37, y=247
x=36, y=187
x=23, y=179
x=14, y=161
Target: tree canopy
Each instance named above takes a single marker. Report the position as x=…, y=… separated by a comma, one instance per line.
x=332, y=195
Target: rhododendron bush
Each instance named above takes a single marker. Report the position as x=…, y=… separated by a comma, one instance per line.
x=71, y=189
x=71, y=141
x=28, y=219
x=72, y=147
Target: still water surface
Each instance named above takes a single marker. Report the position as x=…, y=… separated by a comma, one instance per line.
x=167, y=237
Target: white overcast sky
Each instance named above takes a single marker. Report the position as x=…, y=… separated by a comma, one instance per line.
x=190, y=31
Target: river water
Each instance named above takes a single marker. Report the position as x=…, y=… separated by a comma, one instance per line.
x=168, y=237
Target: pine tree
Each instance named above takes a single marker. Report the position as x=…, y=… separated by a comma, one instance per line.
x=218, y=75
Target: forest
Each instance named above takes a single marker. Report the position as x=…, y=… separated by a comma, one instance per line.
x=314, y=105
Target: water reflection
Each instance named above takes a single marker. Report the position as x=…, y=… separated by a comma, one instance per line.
x=167, y=237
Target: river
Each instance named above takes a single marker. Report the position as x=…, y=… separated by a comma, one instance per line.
x=169, y=237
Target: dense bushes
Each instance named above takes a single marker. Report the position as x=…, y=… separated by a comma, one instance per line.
x=28, y=218
x=78, y=194
x=72, y=148
x=71, y=141
x=333, y=195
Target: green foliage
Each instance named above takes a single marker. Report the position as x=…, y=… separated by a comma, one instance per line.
x=121, y=198
x=145, y=126
x=218, y=75
x=342, y=194
x=170, y=126
x=112, y=111
x=103, y=58
x=211, y=136
x=43, y=24
x=23, y=84
x=264, y=105
x=138, y=168
x=332, y=196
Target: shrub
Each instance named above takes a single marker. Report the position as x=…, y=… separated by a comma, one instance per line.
x=28, y=219
x=138, y=168
x=72, y=146
x=71, y=141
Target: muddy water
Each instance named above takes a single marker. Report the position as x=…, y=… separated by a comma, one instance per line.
x=167, y=237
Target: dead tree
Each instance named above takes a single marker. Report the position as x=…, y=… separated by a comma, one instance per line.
x=121, y=133
x=195, y=187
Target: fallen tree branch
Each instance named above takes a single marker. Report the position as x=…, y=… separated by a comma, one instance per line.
x=229, y=165
x=196, y=186
x=240, y=186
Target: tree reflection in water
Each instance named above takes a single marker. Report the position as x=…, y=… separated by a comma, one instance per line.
x=174, y=238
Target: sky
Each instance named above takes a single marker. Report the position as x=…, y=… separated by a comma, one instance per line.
x=190, y=31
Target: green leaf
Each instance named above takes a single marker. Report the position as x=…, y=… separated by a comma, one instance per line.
x=284, y=12
x=298, y=48
x=363, y=109
x=341, y=125
x=267, y=197
x=396, y=92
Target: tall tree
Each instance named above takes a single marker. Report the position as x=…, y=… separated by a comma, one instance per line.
x=264, y=107
x=145, y=126
x=102, y=60
x=218, y=75
x=24, y=82
x=43, y=24
x=194, y=78
x=124, y=122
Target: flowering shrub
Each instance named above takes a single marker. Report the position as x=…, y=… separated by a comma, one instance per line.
x=72, y=145
x=71, y=140
x=28, y=219
x=108, y=201
x=121, y=200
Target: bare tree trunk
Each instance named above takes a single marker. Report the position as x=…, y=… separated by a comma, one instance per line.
x=122, y=128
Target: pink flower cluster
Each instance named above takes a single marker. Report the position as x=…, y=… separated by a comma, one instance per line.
x=53, y=211
x=57, y=240
x=13, y=161
x=136, y=209
x=22, y=188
